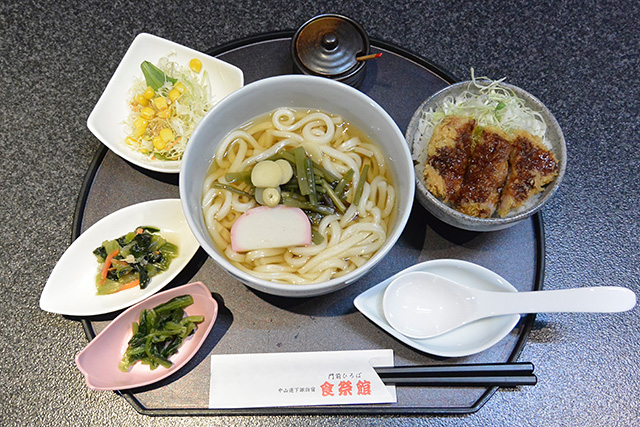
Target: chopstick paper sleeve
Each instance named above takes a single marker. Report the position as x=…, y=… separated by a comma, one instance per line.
x=299, y=379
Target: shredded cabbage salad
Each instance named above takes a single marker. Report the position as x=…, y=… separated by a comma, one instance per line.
x=161, y=120
x=487, y=101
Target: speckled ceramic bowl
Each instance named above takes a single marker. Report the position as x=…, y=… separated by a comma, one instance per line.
x=417, y=135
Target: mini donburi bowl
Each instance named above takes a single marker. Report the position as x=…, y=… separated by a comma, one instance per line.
x=417, y=136
x=300, y=92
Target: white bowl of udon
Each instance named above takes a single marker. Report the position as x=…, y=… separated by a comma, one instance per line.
x=337, y=129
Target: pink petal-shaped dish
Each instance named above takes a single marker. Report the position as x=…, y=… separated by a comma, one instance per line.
x=99, y=360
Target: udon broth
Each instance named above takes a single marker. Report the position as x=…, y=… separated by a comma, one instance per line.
x=349, y=239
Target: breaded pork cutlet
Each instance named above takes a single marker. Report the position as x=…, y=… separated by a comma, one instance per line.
x=486, y=173
x=448, y=153
x=532, y=166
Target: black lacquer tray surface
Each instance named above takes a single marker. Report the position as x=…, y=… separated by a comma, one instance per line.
x=250, y=322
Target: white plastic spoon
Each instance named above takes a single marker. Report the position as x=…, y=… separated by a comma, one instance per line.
x=423, y=305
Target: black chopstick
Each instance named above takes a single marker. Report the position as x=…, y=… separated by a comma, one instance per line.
x=471, y=375
x=485, y=381
x=471, y=369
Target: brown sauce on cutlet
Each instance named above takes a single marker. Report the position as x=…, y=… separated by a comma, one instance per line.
x=528, y=161
x=484, y=176
x=490, y=172
x=451, y=162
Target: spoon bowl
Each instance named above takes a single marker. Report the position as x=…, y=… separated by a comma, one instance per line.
x=424, y=305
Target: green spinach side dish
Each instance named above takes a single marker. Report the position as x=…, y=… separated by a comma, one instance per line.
x=159, y=333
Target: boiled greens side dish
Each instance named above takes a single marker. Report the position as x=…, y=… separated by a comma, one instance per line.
x=159, y=333
x=132, y=260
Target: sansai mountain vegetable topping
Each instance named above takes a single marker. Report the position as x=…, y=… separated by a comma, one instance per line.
x=289, y=179
x=159, y=333
x=132, y=260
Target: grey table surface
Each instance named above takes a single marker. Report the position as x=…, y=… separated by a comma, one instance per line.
x=579, y=57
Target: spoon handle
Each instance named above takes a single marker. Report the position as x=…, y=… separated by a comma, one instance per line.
x=598, y=299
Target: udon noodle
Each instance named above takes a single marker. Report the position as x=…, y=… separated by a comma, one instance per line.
x=349, y=239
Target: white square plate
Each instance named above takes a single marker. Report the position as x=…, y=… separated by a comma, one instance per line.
x=107, y=121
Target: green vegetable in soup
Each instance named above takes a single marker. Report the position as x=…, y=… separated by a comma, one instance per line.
x=311, y=187
x=359, y=187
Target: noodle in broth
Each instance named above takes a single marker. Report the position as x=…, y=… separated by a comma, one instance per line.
x=350, y=239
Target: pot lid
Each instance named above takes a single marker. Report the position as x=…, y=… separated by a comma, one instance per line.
x=328, y=46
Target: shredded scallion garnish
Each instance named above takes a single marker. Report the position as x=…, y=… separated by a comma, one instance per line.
x=489, y=103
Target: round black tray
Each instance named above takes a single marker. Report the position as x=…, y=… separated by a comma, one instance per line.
x=251, y=322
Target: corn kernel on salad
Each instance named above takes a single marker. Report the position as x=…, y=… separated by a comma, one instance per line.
x=166, y=105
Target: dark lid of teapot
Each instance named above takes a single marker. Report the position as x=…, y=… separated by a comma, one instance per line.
x=328, y=45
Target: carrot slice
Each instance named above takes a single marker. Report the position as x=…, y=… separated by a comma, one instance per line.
x=131, y=284
x=107, y=263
